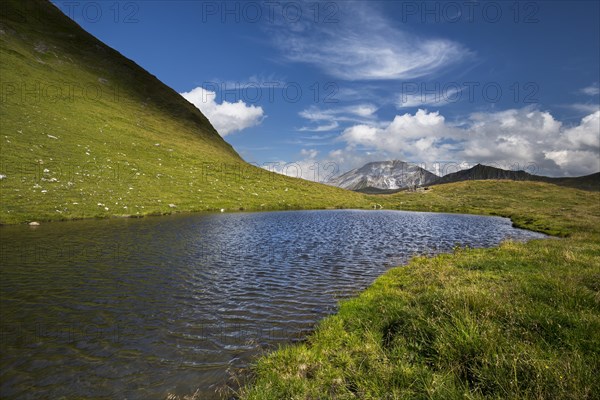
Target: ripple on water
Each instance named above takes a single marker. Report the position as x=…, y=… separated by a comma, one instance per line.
x=141, y=308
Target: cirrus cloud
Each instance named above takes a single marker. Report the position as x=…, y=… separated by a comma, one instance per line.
x=376, y=51
x=591, y=90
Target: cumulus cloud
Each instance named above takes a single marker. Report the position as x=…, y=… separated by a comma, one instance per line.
x=376, y=51
x=410, y=135
x=586, y=134
x=516, y=137
x=226, y=117
x=574, y=160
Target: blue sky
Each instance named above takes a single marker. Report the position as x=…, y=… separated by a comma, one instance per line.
x=443, y=84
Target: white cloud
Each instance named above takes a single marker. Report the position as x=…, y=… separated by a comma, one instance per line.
x=362, y=110
x=584, y=107
x=363, y=135
x=400, y=135
x=330, y=119
x=376, y=51
x=574, y=160
x=351, y=112
x=321, y=128
x=586, y=134
x=309, y=153
x=226, y=117
x=592, y=90
x=516, y=137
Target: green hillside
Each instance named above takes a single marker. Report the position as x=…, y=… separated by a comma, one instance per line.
x=86, y=132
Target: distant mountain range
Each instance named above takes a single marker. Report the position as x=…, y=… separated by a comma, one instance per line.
x=393, y=176
x=384, y=175
x=482, y=172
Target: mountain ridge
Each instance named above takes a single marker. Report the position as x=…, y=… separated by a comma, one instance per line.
x=486, y=172
x=359, y=180
x=383, y=175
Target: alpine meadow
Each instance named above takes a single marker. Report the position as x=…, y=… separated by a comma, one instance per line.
x=301, y=200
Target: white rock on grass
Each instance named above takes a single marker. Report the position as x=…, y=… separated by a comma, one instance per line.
x=34, y=223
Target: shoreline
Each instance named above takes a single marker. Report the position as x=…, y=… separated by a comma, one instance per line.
x=518, y=221
x=476, y=322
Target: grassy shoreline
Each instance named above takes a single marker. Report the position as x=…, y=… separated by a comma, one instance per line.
x=518, y=321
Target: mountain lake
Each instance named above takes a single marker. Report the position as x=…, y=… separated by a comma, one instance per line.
x=140, y=308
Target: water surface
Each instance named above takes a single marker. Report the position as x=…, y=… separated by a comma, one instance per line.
x=139, y=308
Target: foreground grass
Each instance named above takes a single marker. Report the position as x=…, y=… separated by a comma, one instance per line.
x=518, y=321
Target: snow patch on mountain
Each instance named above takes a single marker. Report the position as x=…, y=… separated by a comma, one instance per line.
x=387, y=175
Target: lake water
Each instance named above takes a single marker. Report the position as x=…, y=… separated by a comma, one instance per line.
x=138, y=308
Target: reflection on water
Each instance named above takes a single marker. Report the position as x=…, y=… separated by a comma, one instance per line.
x=140, y=308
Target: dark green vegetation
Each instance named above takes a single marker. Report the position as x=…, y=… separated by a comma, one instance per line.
x=514, y=322
x=85, y=132
x=482, y=172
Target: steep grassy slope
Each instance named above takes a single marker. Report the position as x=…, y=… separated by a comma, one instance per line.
x=85, y=132
x=521, y=321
